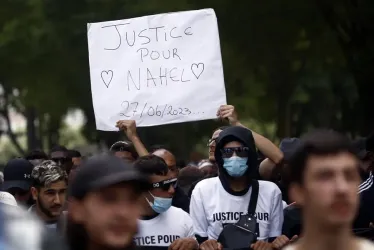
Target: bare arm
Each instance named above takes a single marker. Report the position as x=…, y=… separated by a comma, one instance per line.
x=129, y=126
x=139, y=146
x=269, y=149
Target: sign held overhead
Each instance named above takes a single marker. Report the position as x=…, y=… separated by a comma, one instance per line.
x=158, y=69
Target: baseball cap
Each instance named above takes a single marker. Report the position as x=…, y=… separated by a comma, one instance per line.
x=288, y=146
x=102, y=171
x=17, y=174
x=124, y=146
x=8, y=199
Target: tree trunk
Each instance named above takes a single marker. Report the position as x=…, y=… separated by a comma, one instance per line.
x=32, y=139
x=53, y=132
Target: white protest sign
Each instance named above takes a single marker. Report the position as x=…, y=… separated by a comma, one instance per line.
x=158, y=69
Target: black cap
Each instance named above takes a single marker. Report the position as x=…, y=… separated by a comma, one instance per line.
x=102, y=171
x=289, y=146
x=17, y=174
x=124, y=146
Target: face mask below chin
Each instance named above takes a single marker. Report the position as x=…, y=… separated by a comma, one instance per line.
x=235, y=166
x=160, y=205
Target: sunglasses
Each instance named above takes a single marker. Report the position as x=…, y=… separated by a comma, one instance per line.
x=165, y=185
x=239, y=151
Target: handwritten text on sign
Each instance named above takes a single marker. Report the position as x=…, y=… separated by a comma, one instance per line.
x=157, y=69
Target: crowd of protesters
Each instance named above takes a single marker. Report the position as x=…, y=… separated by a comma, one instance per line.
x=315, y=192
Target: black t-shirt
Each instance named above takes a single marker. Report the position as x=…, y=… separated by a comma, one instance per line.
x=292, y=223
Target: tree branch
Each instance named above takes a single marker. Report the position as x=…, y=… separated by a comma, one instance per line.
x=12, y=136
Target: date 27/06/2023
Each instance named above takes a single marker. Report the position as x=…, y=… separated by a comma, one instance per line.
x=131, y=109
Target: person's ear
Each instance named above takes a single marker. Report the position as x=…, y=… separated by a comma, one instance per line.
x=296, y=193
x=34, y=193
x=76, y=210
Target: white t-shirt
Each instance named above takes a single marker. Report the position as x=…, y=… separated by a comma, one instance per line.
x=211, y=207
x=165, y=228
x=363, y=245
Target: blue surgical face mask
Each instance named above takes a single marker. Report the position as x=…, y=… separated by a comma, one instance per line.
x=160, y=205
x=235, y=166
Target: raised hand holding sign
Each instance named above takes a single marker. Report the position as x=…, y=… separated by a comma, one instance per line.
x=157, y=69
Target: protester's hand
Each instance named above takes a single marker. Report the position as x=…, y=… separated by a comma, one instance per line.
x=294, y=238
x=280, y=242
x=129, y=126
x=261, y=245
x=228, y=112
x=211, y=245
x=184, y=244
x=371, y=225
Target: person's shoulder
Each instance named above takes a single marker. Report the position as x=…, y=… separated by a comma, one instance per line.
x=269, y=187
x=177, y=214
x=176, y=211
x=207, y=184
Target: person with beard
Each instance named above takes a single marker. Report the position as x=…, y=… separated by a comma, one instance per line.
x=218, y=201
x=49, y=192
x=104, y=205
x=17, y=180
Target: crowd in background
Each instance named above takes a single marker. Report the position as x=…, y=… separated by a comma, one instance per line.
x=248, y=193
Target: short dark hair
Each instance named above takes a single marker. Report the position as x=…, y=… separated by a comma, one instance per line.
x=151, y=165
x=36, y=154
x=74, y=153
x=189, y=175
x=317, y=143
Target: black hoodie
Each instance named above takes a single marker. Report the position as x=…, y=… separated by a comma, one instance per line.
x=245, y=137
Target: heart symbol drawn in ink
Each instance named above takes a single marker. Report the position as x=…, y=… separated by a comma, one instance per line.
x=107, y=76
x=197, y=69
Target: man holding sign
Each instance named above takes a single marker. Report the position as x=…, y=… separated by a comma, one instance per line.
x=146, y=69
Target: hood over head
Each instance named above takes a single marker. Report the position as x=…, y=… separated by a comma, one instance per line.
x=243, y=136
